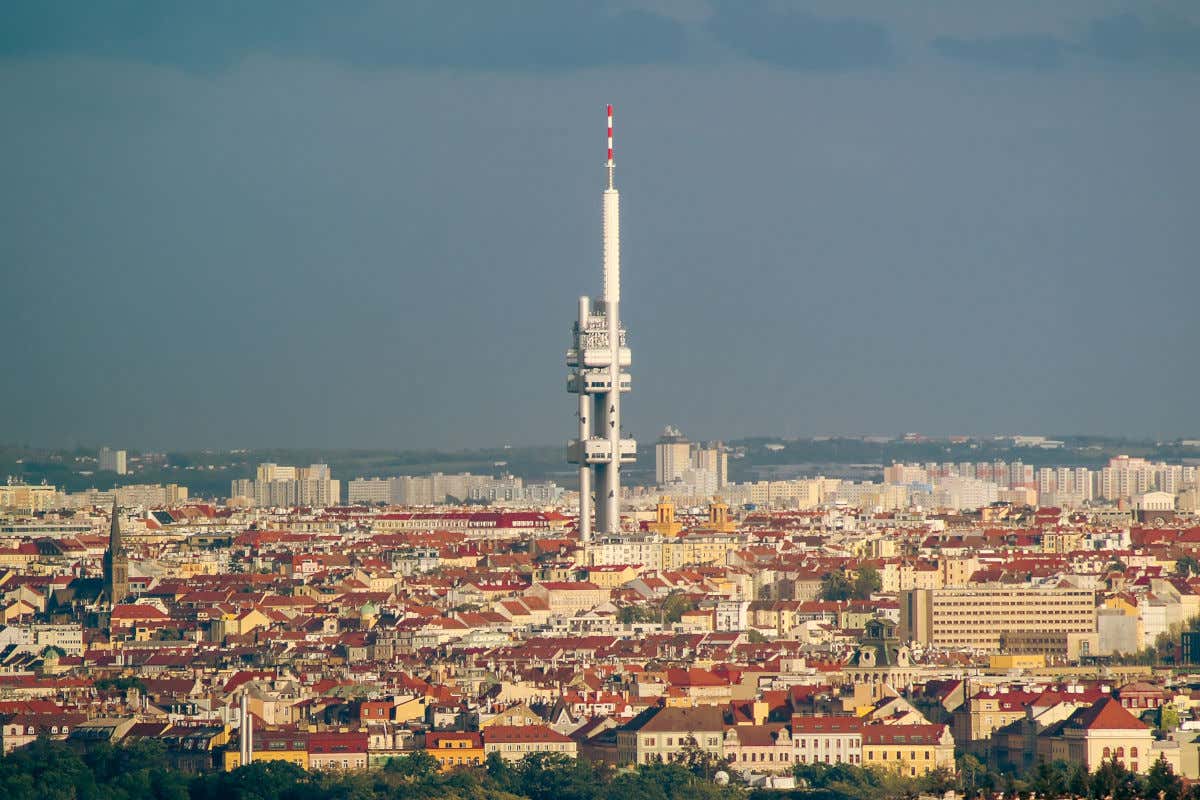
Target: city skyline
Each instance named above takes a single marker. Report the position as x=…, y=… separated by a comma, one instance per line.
x=953, y=221
x=287, y=305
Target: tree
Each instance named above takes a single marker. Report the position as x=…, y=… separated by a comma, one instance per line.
x=1187, y=565
x=867, y=582
x=835, y=586
x=1168, y=717
x=1051, y=779
x=1162, y=782
x=971, y=773
x=417, y=765
x=674, y=607
x=698, y=760
x=1111, y=779
x=1077, y=781
x=630, y=614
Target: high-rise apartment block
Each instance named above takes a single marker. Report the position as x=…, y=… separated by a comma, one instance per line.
x=276, y=485
x=686, y=468
x=438, y=488
x=672, y=456
x=112, y=461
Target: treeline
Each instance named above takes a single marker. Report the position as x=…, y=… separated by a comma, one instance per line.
x=1056, y=779
x=48, y=770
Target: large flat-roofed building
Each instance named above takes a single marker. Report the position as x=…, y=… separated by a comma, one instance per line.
x=984, y=617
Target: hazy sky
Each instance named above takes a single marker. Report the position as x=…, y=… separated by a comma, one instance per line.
x=303, y=223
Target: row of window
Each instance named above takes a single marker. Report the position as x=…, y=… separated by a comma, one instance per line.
x=912, y=755
x=1133, y=752
x=649, y=741
x=803, y=743
x=852, y=758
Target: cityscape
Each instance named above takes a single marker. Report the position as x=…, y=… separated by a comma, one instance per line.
x=539, y=584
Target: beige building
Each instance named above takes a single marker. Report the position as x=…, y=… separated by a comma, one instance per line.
x=699, y=549
x=663, y=734
x=981, y=617
x=569, y=596
x=908, y=750
x=23, y=497
x=515, y=742
x=1099, y=733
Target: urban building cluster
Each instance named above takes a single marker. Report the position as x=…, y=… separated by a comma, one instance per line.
x=950, y=610
x=440, y=489
x=1124, y=483
x=340, y=636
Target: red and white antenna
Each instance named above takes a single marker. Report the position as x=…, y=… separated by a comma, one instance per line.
x=610, y=147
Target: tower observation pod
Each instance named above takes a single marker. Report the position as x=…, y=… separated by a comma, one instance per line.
x=598, y=360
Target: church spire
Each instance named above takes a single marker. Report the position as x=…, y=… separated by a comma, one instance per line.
x=114, y=532
x=116, y=562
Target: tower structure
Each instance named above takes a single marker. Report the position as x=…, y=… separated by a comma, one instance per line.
x=116, y=562
x=598, y=358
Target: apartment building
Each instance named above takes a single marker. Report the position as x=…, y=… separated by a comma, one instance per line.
x=1059, y=621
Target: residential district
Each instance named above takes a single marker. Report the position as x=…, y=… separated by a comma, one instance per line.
x=953, y=616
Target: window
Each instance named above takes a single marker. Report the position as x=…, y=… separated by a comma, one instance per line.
x=1133, y=752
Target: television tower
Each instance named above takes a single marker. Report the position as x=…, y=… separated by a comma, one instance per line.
x=598, y=358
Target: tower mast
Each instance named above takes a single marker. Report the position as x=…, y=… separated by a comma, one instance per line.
x=599, y=358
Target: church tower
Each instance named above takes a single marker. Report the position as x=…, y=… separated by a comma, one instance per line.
x=116, y=562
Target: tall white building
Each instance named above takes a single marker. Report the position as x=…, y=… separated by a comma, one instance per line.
x=112, y=461
x=369, y=491
x=964, y=493
x=276, y=485
x=672, y=456
x=689, y=469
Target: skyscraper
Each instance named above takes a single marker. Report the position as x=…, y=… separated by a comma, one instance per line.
x=598, y=357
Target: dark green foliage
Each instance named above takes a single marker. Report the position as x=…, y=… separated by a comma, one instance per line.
x=867, y=582
x=674, y=607
x=1187, y=565
x=48, y=770
x=836, y=586
x=1162, y=782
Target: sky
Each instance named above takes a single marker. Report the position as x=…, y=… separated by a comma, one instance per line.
x=293, y=223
